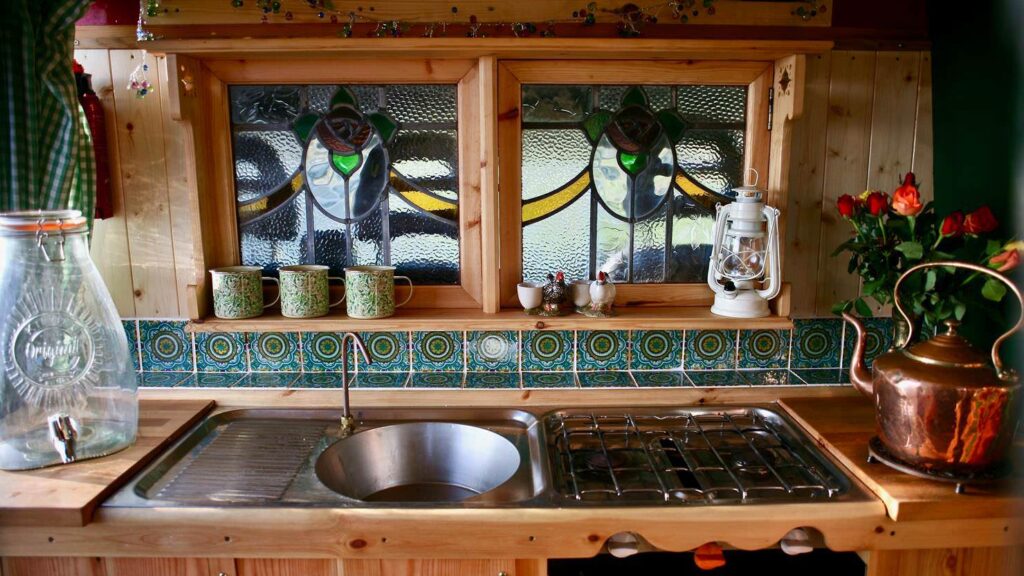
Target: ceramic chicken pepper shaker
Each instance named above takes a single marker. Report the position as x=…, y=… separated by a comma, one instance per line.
x=602, y=296
x=556, y=299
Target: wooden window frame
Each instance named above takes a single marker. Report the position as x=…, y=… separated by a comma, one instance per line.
x=513, y=74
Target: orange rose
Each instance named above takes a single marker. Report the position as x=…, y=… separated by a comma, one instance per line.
x=906, y=200
x=1009, y=258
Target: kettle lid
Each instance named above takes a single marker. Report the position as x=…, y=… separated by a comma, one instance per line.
x=948, y=349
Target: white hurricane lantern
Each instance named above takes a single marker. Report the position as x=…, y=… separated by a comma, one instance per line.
x=744, y=270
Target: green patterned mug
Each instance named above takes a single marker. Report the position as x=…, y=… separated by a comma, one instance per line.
x=305, y=292
x=238, y=292
x=370, y=291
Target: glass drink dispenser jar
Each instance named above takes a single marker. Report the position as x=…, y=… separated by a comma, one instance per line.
x=67, y=387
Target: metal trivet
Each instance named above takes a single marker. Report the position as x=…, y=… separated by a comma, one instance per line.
x=684, y=456
x=878, y=452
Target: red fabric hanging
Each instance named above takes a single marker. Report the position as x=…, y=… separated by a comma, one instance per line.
x=98, y=127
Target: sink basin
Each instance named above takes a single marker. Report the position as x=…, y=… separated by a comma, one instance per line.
x=418, y=462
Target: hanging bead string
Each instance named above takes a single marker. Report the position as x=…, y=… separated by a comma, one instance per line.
x=138, y=81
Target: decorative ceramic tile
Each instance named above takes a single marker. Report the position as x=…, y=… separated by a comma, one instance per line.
x=268, y=380
x=823, y=376
x=710, y=350
x=213, y=380
x=319, y=380
x=878, y=339
x=163, y=379
x=493, y=351
x=165, y=346
x=606, y=379
x=780, y=377
x=437, y=351
x=672, y=379
x=220, y=352
x=549, y=380
x=764, y=349
x=389, y=352
x=656, y=350
x=274, y=352
x=548, y=350
x=816, y=343
x=601, y=350
x=716, y=378
x=380, y=380
x=436, y=380
x=492, y=380
x=131, y=331
x=321, y=352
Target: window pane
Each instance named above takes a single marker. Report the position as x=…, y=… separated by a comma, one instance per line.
x=624, y=179
x=346, y=175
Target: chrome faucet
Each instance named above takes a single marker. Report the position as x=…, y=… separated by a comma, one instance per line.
x=348, y=423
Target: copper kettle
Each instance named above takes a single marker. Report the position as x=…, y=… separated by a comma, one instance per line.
x=939, y=405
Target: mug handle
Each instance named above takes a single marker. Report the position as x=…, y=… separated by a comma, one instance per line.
x=274, y=301
x=343, y=291
x=409, y=297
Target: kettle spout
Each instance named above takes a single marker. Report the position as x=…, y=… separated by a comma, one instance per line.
x=859, y=373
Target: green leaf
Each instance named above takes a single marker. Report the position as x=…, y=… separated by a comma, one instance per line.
x=634, y=95
x=993, y=290
x=346, y=163
x=595, y=124
x=929, y=279
x=993, y=247
x=912, y=250
x=862, y=308
x=852, y=266
x=840, y=307
x=633, y=163
x=343, y=96
x=303, y=126
x=959, y=310
x=673, y=124
x=384, y=125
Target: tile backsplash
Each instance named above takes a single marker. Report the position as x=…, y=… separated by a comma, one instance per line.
x=815, y=351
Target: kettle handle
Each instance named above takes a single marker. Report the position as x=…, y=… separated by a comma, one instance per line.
x=966, y=266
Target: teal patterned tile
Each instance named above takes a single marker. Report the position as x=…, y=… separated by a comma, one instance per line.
x=163, y=379
x=437, y=352
x=656, y=350
x=493, y=351
x=492, y=380
x=710, y=350
x=878, y=339
x=389, y=352
x=436, y=380
x=716, y=378
x=764, y=349
x=823, y=376
x=268, y=380
x=220, y=352
x=274, y=352
x=380, y=380
x=214, y=380
x=321, y=352
x=319, y=380
x=166, y=347
x=817, y=343
x=780, y=377
x=548, y=350
x=131, y=331
x=549, y=380
x=601, y=350
x=606, y=379
x=671, y=379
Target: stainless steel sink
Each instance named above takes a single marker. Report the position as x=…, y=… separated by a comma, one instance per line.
x=418, y=462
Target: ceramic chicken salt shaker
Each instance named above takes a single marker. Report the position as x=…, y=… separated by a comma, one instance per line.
x=556, y=298
x=602, y=296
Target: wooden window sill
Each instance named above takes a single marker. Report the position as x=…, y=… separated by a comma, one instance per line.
x=425, y=319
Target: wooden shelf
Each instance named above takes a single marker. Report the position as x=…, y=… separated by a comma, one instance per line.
x=417, y=320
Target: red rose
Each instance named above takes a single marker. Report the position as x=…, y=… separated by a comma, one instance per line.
x=847, y=206
x=906, y=200
x=953, y=225
x=877, y=203
x=980, y=221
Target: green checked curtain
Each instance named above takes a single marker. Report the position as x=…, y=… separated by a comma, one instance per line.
x=46, y=158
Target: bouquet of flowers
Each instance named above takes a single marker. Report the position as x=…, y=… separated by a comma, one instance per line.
x=893, y=234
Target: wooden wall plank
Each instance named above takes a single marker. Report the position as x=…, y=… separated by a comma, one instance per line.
x=922, y=165
x=51, y=566
x=287, y=567
x=109, y=243
x=806, y=186
x=893, y=117
x=156, y=566
x=847, y=145
x=140, y=142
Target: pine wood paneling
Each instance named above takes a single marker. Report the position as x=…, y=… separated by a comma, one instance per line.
x=156, y=566
x=923, y=130
x=46, y=566
x=285, y=567
x=430, y=568
x=893, y=118
x=995, y=561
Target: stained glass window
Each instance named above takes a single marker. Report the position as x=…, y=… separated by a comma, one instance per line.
x=624, y=179
x=346, y=175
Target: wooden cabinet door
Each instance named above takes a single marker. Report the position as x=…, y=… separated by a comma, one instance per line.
x=442, y=568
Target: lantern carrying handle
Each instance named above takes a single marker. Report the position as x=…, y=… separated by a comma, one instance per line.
x=757, y=177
